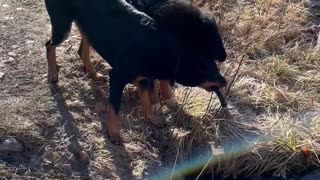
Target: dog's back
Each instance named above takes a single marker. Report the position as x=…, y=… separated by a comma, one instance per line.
x=59, y=9
x=113, y=28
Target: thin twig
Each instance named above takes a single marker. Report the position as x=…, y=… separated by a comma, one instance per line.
x=176, y=159
x=205, y=166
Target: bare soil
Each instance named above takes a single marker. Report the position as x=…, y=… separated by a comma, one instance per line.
x=59, y=125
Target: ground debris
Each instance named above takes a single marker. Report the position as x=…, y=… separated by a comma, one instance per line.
x=11, y=145
x=1, y=75
x=12, y=54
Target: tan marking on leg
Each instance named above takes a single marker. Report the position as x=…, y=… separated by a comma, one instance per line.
x=155, y=96
x=112, y=125
x=147, y=108
x=53, y=76
x=165, y=90
x=166, y=95
x=145, y=102
x=84, y=52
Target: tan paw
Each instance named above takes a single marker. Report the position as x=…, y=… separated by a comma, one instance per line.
x=114, y=137
x=156, y=107
x=113, y=133
x=112, y=125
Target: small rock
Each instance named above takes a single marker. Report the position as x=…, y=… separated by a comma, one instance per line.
x=15, y=46
x=9, y=61
x=5, y=5
x=19, y=9
x=12, y=54
x=1, y=75
x=30, y=42
x=8, y=17
x=1, y=65
x=11, y=145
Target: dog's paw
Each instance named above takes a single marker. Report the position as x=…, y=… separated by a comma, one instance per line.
x=53, y=73
x=156, y=107
x=53, y=77
x=114, y=136
x=112, y=125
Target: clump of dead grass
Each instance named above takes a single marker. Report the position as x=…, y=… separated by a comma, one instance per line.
x=287, y=148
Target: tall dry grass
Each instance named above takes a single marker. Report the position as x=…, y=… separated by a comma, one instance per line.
x=274, y=60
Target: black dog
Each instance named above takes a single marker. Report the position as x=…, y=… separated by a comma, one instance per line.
x=169, y=11
x=152, y=8
x=181, y=45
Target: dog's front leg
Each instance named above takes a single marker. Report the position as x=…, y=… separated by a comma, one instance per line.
x=53, y=74
x=221, y=98
x=112, y=123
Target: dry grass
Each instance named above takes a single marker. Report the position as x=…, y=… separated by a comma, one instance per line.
x=274, y=102
x=275, y=97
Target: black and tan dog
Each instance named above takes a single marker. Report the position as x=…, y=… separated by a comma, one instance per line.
x=178, y=43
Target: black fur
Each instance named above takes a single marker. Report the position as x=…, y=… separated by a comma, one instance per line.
x=166, y=39
x=196, y=33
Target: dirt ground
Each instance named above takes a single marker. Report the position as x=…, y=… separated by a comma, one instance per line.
x=60, y=130
x=57, y=123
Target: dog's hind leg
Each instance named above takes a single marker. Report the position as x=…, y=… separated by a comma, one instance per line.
x=84, y=53
x=165, y=90
x=155, y=96
x=144, y=90
x=60, y=31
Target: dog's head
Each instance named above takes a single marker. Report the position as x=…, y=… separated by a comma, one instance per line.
x=198, y=42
